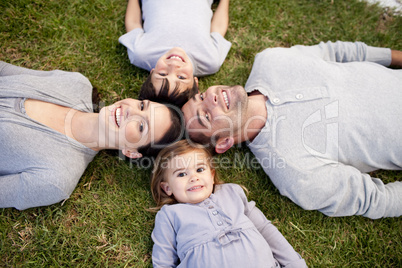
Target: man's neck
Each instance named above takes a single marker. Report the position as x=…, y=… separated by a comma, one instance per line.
x=256, y=115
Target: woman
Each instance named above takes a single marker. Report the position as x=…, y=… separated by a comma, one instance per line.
x=49, y=133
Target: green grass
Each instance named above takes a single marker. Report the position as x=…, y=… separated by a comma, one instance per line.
x=105, y=223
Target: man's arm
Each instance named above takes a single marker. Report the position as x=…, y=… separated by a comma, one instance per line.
x=133, y=17
x=220, y=19
x=347, y=52
x=338, y=190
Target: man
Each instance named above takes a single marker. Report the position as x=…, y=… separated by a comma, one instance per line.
x=318, y=119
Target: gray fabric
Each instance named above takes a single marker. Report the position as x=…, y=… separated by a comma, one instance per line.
x=225, y=230
x=334, y=114
x=164, y=28
x=39, y=166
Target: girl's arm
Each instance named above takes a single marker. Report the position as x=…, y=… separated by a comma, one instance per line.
x=133, y=18
x=282, y=250
x=164, y=252
x=220, y=19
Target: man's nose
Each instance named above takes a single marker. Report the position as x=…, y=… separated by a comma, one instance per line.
x=212, y=99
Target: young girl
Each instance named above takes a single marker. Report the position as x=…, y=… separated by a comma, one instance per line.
x=175, y=40
x=204, y=223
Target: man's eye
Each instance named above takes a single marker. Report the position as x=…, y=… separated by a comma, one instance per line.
x=181, y=77
x=181, y=174
x=207, y=116
x=202, y=96
x=141, y=127
x=200, y=169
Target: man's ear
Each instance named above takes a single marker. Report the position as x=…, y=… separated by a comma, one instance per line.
x=224, y=144
x=131, y=153
x=165, y=187
x=152, y=70
x=196, y=80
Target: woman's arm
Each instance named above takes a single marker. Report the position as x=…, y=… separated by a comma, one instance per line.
x=220, y=19
x=133, y=18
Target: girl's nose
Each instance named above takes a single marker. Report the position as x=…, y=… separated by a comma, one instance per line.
x=193, y=178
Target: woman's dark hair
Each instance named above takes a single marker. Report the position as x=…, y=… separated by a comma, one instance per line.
x=176, y=97
x=175, y=133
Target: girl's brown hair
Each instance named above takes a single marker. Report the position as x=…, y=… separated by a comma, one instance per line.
x=161, y=162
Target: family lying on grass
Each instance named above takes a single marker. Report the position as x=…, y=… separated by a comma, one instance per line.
x=330, y=112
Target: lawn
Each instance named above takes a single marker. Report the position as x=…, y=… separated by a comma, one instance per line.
x=105, y=222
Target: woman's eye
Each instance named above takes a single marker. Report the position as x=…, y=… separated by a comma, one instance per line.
x=181, y=174
x=202, y=96
x=207, y=116
x=142, y=106
x=141, y=127
x=200, y=169
x=162, y=74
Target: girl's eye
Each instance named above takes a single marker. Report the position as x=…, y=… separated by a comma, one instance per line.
x=141, y=127
x=181, y=174
x=200, y=169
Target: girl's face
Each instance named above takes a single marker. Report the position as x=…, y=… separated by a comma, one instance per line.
x=189, y=178
x=129, y=124
x=177, y=68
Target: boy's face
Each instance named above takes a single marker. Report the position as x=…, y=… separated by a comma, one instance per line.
x=176, y=66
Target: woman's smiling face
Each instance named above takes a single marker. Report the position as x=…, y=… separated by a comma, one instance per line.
x=130, y=124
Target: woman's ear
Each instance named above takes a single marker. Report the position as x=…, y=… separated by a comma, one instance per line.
x=165, y=187
x=131, y=153
x=196, y=80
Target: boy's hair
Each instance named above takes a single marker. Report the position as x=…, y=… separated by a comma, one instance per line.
x=177, y=98
x=161, y=162
x=174, y=133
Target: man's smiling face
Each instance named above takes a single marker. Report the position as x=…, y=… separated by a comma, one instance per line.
x=219, y=112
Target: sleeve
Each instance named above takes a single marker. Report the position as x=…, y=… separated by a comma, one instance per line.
x=347, y=52
x=283, y=252
x=222, y=46
x=130, y=40
x=339, y=190
x=7, y=69
x=164, y=252
x=26, y=190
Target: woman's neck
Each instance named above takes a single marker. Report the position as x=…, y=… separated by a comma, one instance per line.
x=84, y=128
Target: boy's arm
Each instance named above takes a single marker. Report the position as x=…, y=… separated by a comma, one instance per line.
x=396, y=58
x=133, y=17
x=220, y=19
